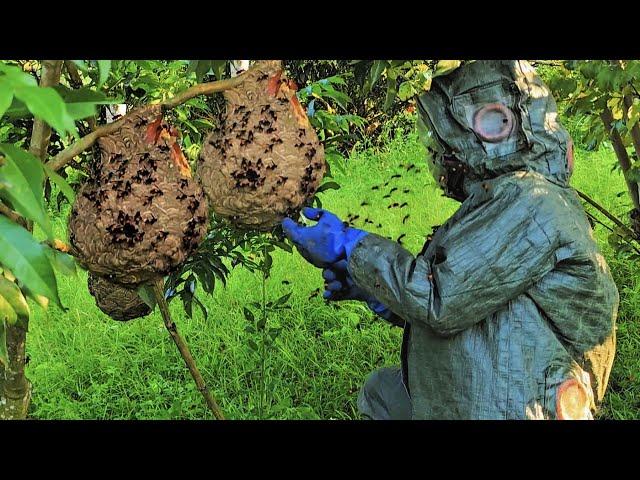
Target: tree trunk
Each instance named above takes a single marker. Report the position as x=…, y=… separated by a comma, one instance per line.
x=15, y=394
x=621, y=153
x=16, y=389
x=635, y=139
x=635, y=130
x=41, y=134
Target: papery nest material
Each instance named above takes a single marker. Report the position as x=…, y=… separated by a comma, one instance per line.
x=263, y=161
x=140, y=214
x=118, y=302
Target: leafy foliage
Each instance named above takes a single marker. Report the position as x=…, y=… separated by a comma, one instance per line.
x=601, y=96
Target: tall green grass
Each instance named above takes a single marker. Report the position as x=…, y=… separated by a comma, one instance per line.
x=84, y=365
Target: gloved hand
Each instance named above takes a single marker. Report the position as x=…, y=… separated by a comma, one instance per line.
x=328, y=245
x=325, y=243
x=340, y=286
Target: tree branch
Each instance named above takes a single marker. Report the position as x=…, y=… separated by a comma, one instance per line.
x=87, y=141
x=41, y=133
x=621, y=153
x=60, y=246
x=12, y=215
x=158, y=291
x=606, y=213
x=202, y=89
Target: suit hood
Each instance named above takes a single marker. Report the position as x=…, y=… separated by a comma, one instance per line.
x=490, y=118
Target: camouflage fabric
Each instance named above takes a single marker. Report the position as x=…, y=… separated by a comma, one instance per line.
x=510, y=309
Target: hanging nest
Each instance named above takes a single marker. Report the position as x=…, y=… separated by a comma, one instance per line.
x=140, y=215
x=264, y=161
x=118, y=302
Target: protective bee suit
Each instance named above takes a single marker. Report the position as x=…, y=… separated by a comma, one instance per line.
x=509, y=311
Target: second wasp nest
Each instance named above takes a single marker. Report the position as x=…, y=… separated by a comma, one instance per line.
x=263, y=161
x=118, y=302
x=140, y=214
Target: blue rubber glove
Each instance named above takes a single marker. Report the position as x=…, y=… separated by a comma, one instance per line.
x=340, y=286
x=324, y=243
x=328, y=245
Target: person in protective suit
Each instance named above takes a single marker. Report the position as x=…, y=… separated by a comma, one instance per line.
x=509, y=311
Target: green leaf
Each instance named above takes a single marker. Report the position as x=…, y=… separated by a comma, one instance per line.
x=81, y=64
x=340, y=98
x=7, y=314
x=202, y=67
x=203, y=308
x=81, y=103
x=374, y=75
x=61, y=183
x=80, y=111
x=28, y=261
x=105, y=67
x=219, y=67
x=446, y=66
x=633, y=113
x=248, y=314
x=193, y=64
x=406, y=91
x=39, y=299
x=85, y=95
x=6, y=96
x=253, y=345
x=62, y=262
x=391, y=93
x=16, y=77
x=187, y=301
x=14, y=297
x=335, y=159
x=284, y=246
x=145, y=292
x=328, y=186
x=337, y=80
x=47, y=105
x=268, y=261
x=282, y=300
x=24, y=172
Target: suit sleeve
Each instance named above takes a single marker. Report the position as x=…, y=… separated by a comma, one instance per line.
x=491, y=256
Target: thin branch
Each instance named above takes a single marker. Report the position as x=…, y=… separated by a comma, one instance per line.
x=203, y=89
x=606, y=213
x=75, y=79
x=12, y=215
x=60, y=246
x=87, y=141
x=158, y=291
x=625, y=239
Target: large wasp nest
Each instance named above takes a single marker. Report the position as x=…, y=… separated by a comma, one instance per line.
x=140, y=214
x=118, y=302
x=264, y=161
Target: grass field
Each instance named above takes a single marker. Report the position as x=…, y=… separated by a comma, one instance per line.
x=84, y=365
